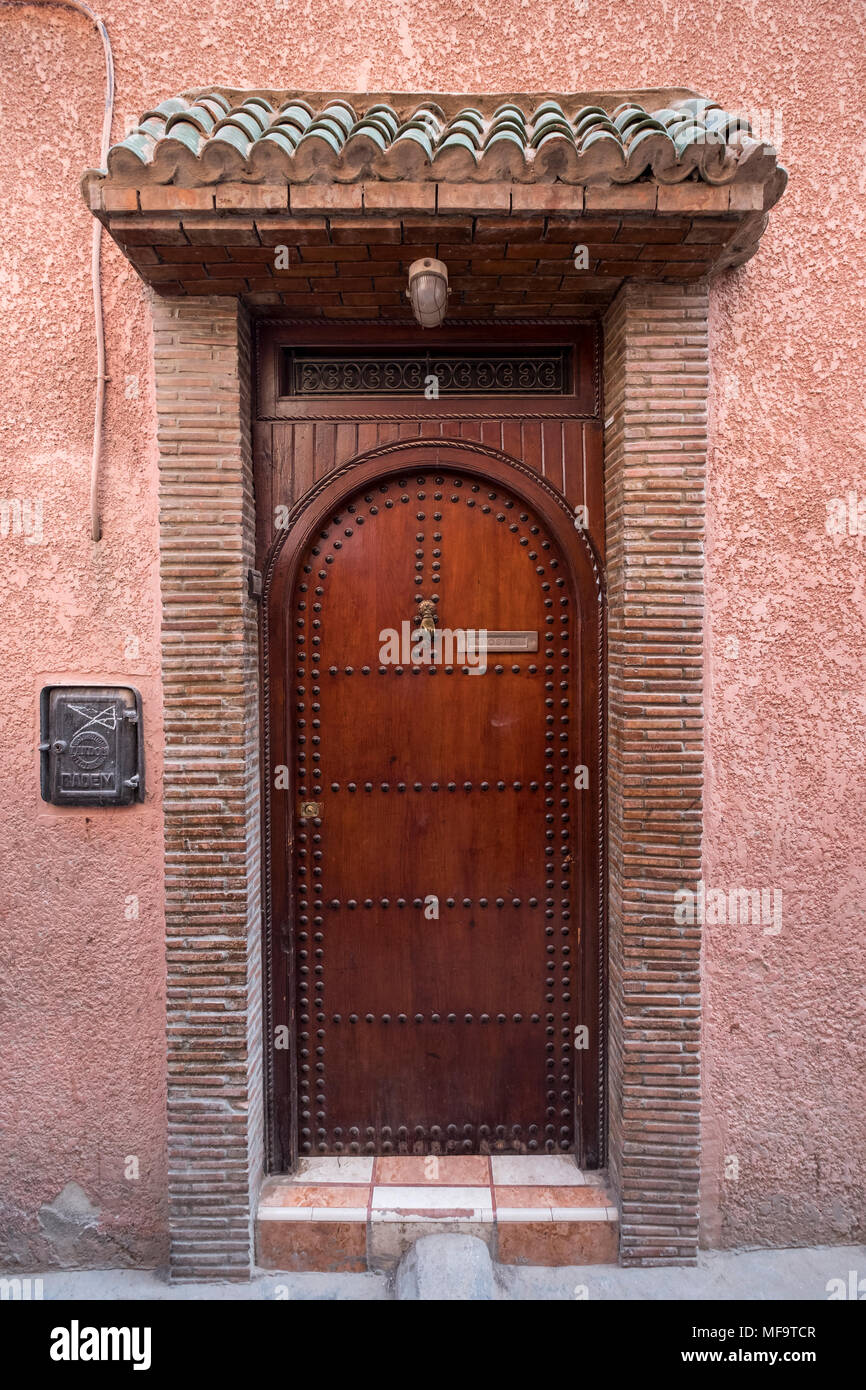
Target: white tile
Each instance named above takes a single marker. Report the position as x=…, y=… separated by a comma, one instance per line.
x=339, y=1213
x=285, y=1213
x=333, y=1169
x=523, y=1214
x=536, y=1170
x=403, y=1215
x=425, y=1198
x=580, y=1213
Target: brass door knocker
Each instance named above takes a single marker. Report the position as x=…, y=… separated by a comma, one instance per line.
x=428, y=617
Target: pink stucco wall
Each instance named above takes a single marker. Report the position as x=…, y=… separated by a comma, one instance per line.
x=82, y=1084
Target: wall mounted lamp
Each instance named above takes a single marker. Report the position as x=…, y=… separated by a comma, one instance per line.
x=428, y=291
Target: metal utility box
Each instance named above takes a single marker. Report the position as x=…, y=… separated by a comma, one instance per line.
x=91, y=747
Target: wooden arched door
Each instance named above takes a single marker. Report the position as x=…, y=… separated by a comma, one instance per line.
x=438, y=896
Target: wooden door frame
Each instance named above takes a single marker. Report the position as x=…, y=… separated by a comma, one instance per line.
x=587, y=579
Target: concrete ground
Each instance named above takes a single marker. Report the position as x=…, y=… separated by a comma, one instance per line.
x=801, y=1274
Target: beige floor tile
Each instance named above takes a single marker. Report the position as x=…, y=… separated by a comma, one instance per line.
x=541, y=1170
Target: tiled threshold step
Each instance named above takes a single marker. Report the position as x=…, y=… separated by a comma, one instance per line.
x=353, y=1214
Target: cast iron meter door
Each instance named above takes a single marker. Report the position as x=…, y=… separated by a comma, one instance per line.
x=91, y=748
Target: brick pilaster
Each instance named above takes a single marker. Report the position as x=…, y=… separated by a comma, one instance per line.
x=211, y=791
x=656, y=381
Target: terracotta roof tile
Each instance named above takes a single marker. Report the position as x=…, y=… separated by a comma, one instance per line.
x=662, y=184
x=215, y=135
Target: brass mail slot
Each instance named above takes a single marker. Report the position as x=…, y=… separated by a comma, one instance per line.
x=512, y=641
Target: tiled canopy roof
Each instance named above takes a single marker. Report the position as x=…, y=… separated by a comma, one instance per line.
x=219, y=133
x=660, y=185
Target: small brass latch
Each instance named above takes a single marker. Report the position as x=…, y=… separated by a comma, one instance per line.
x=310, y=810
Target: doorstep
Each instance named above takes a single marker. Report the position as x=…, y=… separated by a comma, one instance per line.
x=353, y=1214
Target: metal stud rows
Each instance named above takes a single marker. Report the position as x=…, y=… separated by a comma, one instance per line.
x=545, y=914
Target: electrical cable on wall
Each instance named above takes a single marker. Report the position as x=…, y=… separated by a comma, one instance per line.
x=96, y=246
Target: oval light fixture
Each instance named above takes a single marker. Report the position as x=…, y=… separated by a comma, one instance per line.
x=428, y=291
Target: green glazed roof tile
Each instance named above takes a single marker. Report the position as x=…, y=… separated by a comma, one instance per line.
x=225, y=132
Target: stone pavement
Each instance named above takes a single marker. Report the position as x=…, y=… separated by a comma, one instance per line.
x=758, y=1275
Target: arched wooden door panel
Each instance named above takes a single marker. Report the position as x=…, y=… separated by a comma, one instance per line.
x=435, y=858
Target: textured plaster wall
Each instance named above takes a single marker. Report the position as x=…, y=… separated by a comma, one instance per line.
x=82, y=1083
x=82, y=1074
